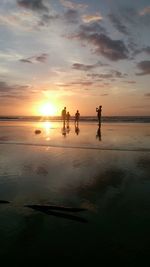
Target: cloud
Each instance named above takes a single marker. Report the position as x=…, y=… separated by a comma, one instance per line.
x=118, y=24
x=104, y=94
x=19, y=20
x=36, y=5
x=147, y=94
x=26, y=60
x=84, y=83
x=118, y=74
x=128, y=15
x=91, y=18
x=131, y=16
x=42, y=58
x=44, y=12
x=71, y=16
x=144, y=66
x=10, y=92
x=93, y=27
x=130, y=82
x=112, y=74
x=79, y=66
x=14, y=96
x=112, y=49
x=145, y=11
x=4, y=87
x=80, y=83
x=100, y=76
x=47, y=18
x=83, y=67
x=13, y=91
x=71, y=5
x=137, y=51
x=146, y=50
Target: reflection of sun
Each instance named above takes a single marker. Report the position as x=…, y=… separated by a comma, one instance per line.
x=47, y=109
x=47, y=125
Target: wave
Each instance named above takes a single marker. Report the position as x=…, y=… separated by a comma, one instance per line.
x=136, y=149
x=133, y=119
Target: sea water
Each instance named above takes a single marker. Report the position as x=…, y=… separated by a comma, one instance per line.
x=103, y=170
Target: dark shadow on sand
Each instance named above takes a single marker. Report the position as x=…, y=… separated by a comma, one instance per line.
x=50, y=210
x=58, y=211
x=4, y=202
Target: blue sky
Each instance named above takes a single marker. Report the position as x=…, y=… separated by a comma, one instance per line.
x=78, y=54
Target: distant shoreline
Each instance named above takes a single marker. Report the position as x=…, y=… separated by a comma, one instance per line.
x=141, y=119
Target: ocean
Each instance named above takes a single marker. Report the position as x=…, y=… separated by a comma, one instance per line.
x=142, y=119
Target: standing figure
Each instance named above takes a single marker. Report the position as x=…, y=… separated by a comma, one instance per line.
x=77, y=116
x=99, y=114
x=68, y=118
x=63, y=114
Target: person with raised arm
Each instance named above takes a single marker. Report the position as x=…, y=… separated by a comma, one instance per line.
x=99, y=114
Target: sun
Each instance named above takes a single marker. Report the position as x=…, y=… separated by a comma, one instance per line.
x=47, y=109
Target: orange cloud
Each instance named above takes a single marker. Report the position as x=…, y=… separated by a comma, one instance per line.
x=92, y=18
x=145, y=11
x=72, y=5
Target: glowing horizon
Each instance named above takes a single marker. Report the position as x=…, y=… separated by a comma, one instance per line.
x=78, y=54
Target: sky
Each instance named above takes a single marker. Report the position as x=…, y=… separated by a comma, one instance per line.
x=79, y=54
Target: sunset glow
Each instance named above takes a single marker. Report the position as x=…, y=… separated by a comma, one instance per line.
x=47, y=109
x=74, y=53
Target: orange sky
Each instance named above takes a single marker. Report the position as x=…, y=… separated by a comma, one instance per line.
x=78, y=54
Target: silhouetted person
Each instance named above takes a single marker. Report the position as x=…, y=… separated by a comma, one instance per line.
x=77, y=116
x=63, y=114
x=98, y=134
x=77, y=130
x=99, y=114
x=68, y=118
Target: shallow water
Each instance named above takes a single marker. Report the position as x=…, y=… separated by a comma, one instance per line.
x=119, y=136
x=111, y=180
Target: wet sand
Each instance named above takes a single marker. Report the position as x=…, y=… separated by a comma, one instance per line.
x=105, y=172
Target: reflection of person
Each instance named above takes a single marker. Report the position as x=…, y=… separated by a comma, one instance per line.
x=99, y=114
x=77, y=116
x=68, y=118
x=63, y=114
x=64, y=131
x=77, y=130
x=68, y=130
x=98, y=133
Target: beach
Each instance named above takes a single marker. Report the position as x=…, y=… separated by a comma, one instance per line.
x=102, y=170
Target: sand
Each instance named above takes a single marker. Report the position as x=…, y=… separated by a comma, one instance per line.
x=106, y=174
